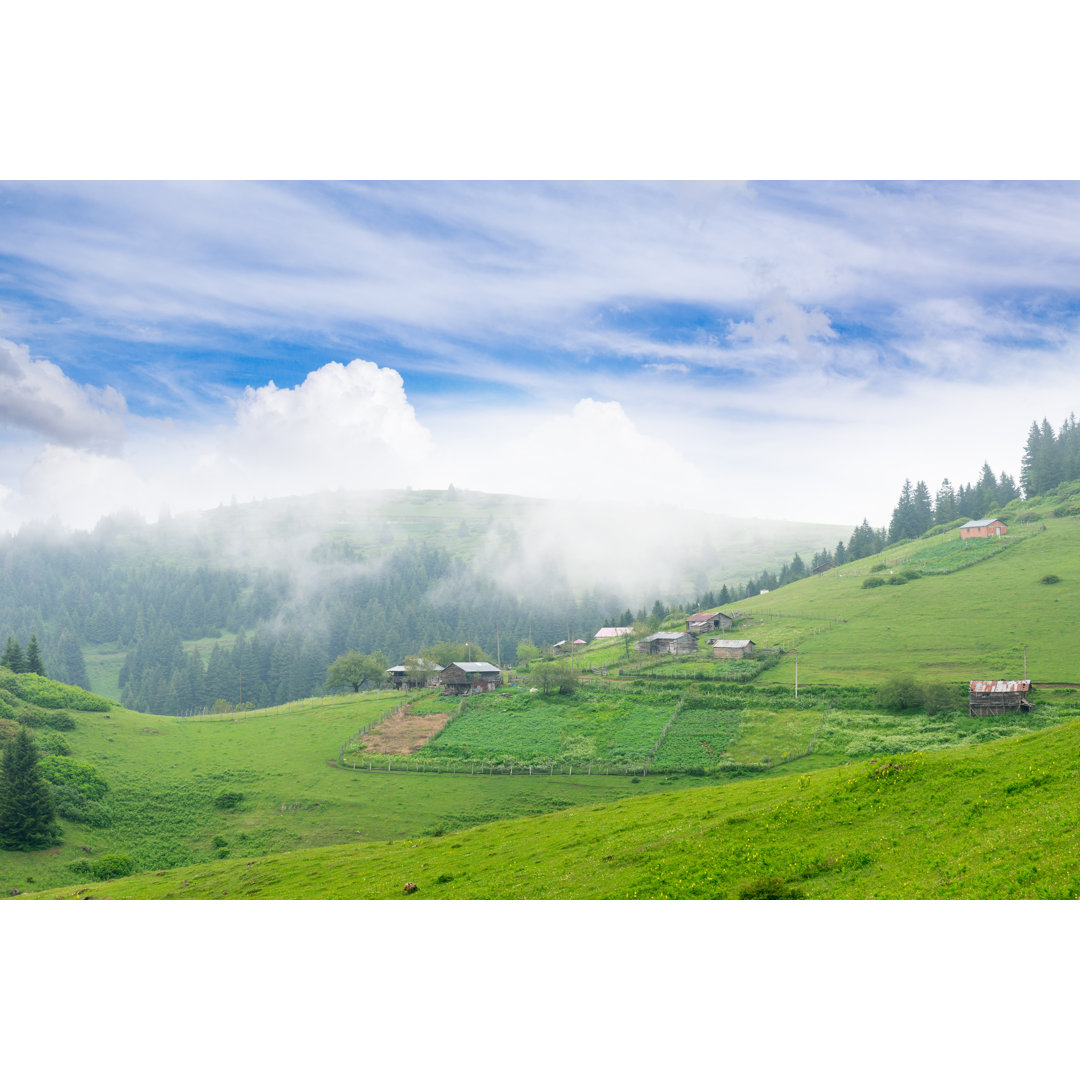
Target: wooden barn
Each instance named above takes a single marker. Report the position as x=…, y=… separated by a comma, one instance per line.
x=988, y=697
x=983, y=527
x=668, y=641
x=466, y=677
x=724, y=649
x=702, y=622
x=421, y=673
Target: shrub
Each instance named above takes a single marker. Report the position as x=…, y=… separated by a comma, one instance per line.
x=59, y=720
x=219, y=842
x=1049, y=579
x=900, y=692
x=111, y=866
x=31, y=716
x=910, y=575
x=872, y=582
x=897, y=579
x=79, y=775
x=51, y=743
x=103, y=869
x=938, y=697
x=228, y=800
x=880, y=566
x=770, y=888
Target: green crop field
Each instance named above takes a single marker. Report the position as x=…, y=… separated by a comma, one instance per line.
x=611, y=726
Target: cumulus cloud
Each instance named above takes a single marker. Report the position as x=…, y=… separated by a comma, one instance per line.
x=36, y=396
x=344, y=425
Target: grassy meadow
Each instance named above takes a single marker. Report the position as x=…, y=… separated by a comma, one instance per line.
x=258, y=803
x=998, y=820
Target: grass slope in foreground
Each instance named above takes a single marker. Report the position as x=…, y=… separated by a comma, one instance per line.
x=993, y=821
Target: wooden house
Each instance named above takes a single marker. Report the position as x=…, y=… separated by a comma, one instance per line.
x=612, y=632
x=418, y=673
x=668, y=641
x=702, y=622
x=983, y=527
x=464, y=677
x=723, y=649
x=988, y=697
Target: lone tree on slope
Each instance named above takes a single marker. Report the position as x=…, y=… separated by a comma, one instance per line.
x=27, y=815
x=354, y=669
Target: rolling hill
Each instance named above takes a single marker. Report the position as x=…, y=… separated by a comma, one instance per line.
x=885, y=803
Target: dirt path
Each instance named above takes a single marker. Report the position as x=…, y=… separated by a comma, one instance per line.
x=404, y=733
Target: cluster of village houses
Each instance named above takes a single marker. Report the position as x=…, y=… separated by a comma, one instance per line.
x=467, y=677
x=985, y=697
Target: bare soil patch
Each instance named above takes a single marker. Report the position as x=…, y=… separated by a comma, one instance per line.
x=404, y=732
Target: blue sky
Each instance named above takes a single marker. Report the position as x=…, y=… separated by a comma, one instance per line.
x=777, y=349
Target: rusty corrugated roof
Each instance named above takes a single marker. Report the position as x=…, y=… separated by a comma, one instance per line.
x=1000, y=686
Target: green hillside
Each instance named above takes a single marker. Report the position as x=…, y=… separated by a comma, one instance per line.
x=882, y=802
x=970, y=622
x=995, y=821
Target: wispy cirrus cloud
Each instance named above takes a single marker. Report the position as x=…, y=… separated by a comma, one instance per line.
x=773, y=313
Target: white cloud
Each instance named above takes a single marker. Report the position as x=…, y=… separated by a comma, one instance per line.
x=778, y=318
x=344, y=425
x=348, y=426
x=36, y=396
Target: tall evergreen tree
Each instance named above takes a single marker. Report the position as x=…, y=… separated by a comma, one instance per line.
x=12, y=656
x=33, y=657
x=901, y=525
x=71, y=668
x=27, y=814
x=1006, y=489
x=945, y=504
x=922, y=514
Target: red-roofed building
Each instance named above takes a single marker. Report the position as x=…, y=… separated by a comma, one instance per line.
x=990, y=697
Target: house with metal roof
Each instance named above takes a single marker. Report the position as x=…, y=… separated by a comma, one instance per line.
x=725, y=649
x=419, y=672
x=612, y=632
x=990, y=697
x=668, y=641
x=983, y=527
x=702, y=622
x=470, y=677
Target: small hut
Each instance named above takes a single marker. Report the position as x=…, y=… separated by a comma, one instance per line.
x=724, y=649
x=701, y=622
x=466, y=677
x=987, y=697
x=668, y=641
x=983, y=527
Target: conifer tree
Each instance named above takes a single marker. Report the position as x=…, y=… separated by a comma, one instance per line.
x=27, y=815
x=945, y=504
x=922, y=515
x=33, y=657
x=12, y=656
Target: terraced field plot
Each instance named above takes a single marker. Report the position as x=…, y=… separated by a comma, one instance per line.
x=595, y=725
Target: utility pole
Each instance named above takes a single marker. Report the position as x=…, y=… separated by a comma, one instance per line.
x=796, y=674
x=1025, y=661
